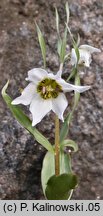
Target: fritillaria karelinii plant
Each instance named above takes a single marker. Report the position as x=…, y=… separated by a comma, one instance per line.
x=46, y=92
x=85, y=52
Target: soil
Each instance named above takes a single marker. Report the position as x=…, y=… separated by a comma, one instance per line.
x=20, y=155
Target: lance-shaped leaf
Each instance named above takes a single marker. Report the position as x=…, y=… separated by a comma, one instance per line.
x=76, y=51
x=69, y=143
x=63, y=47
x=25, y=121
x=75, y=44
x=42, y=44
x=64, y=129
x=65, y=126
x=59, y=45
x=48, y=168
x=59, y=187
x=57, y=20
x=76, y=94
x=78, y=40
x=67, y=12
x=72, y=74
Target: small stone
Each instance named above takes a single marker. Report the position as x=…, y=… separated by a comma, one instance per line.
x=90, y=78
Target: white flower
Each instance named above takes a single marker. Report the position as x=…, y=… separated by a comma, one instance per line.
x=45, y=92
x=85, y=52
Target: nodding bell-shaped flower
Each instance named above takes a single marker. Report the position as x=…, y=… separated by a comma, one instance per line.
x=85, y=52
x=46, y=92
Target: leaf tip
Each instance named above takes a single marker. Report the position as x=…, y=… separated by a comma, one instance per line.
x=3, y=91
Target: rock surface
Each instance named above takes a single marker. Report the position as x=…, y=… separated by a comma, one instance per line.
x=20, y=155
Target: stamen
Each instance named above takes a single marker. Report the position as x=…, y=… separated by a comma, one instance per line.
x=49, y=88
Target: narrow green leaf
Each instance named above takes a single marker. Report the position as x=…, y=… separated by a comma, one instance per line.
x=65, y=163
x=59, y=187
x=63, y=47
x=78, y=40
x=67, y=12
x=75, y=45
x=42, y=44
x=76, y=94
x=70, y=34
x=59, y=45
x=57, y=20
x=25, y=121
x=77, y=52
x=69, y=143
x=64, y=129
x=48, y=168
x=67, y=57
x=72, y=74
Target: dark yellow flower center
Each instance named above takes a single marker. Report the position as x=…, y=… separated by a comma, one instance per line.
x=49, y=88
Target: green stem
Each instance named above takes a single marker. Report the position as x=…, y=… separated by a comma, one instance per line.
x=73, y=73
x=57, y=147
x=61, y=67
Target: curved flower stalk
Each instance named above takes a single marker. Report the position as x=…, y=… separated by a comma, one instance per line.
x=85, y=52
x=45, y=92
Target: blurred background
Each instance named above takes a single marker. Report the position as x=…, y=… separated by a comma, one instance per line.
x=20, y=155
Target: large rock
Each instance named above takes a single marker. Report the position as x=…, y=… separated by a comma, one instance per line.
x=20, y=155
